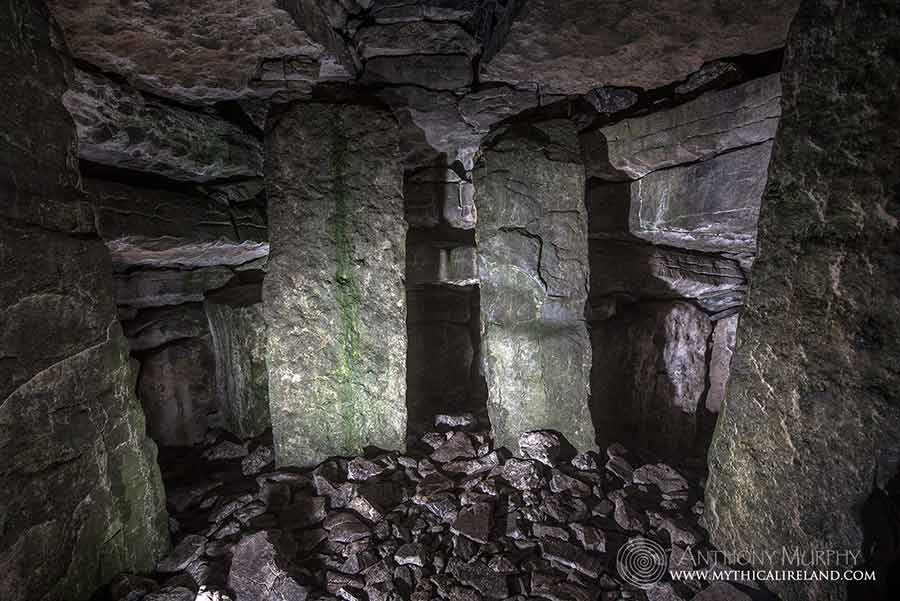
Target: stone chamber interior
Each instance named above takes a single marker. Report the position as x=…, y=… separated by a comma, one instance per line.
x=382, y=300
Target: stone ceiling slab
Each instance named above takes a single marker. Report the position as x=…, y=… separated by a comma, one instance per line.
x=200, y=51
x=571, y=47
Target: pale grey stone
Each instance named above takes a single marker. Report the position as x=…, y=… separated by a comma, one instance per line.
x=261, y=568
x=532, y=244
x=432, y=130
x=811, y=414
x=716, y=73
x=334, y=296
x=431, y=263
x=711, y=206
x=715, y=122
x=491, y=105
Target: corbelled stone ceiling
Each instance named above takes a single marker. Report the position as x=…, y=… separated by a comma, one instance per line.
x=457, y=300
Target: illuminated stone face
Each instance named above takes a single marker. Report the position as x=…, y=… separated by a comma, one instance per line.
x=334, y=295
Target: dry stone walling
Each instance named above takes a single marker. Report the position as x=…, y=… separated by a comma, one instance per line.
x=674, y=199
x=533, y=265
x=334, y=294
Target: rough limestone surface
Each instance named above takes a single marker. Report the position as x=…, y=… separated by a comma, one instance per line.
x=709, y=125
x=238, y=335
x=721, y=352
x=811, y=422
x=533, y=264
x=156, y=326
x=81, y=497
x=37, y=180
x=162, y=228
x=120, y=127
x=711, y=206
x=628, y=271
x=575, y=46
x=334, y=297
x=226, y=212
x=649, y=377
x=157, y=287
x=125, y=211
x=198, y=52
x=176, y=389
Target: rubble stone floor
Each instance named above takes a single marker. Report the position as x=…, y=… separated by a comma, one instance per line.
x=453, y=519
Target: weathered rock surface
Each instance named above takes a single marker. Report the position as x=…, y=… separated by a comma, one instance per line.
x=533, y=264
x=154, y=228
x=334, y=297
x=154, y=327
x=259, y=569
x=709, y=206
x=81, y=498
x=37, y=182
x=628, y=272
x=431, y=127
x=120, y=127
x=492, y=104
x=715, y=122
x=180, y=254
x=718, y=74
x=573, y=47
x=649, y=377
x=200, y=52
x=811, y=423
x=176, y=389
x=123, y=211
x=439, y=72
x=439, y=126
x=158, y=287
x=238, y=337
x=722, y=345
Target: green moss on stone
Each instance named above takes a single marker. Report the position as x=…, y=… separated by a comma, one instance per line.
x=348, y=297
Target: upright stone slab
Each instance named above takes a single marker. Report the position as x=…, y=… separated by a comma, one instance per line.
x=533, y=264
x=808, y=438
x=81, y=497
x=242, y=379
x=334, y=296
